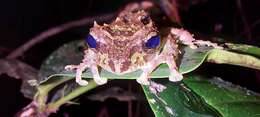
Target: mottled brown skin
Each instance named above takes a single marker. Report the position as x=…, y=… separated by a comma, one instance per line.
x=121, y=48
x=123, y=38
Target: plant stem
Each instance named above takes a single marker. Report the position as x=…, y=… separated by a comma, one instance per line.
x=43, y=91
x=76, y=92
x=224, y=57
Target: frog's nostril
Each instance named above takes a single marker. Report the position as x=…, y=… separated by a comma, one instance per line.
x=91, y=41
x=153, y=42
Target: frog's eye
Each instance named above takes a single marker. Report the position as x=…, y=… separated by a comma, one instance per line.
x=153, y=42
x=91, y=41
x=145, y=19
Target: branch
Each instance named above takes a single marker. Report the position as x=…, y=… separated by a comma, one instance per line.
x=55, y=30
x=171, y=10
x=244, y=20
x=253, y=25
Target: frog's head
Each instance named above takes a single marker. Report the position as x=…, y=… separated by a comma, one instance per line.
x=126, y=44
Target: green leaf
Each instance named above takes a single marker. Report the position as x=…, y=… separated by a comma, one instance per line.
x=228, y=99
x=192, y=58
x=198, y=97
x=69, y=53
x=177, y=100
x=247, y=49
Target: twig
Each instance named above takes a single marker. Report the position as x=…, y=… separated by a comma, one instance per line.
x=3, y=50
x=137, y=110
x=235, y=32
x=244, y=20
x=130, y=114
x=171, y=10
x=55, y=105
x=253, y=25
x=55, y=30
x=103, y=113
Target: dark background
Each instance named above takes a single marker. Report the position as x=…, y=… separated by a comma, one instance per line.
x=21, y=20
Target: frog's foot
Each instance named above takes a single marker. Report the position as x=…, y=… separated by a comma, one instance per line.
x=175, y=76
x=192, y=46
x=71, y=67
x=96, y=76
x=100, y=81
x=82, y=82
x=143, y=79
x=147, y=70
x=80, y=69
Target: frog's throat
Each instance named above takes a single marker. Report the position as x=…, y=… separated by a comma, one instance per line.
x=119, y=72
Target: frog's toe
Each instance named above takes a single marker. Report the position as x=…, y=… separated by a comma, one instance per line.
x=82, y=82
x=143, y=80
x=101, y=81
x=71, y=67
x=175, y=76
x=192, y=46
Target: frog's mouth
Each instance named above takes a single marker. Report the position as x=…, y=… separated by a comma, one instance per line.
x=119, y=67
x=126, y=66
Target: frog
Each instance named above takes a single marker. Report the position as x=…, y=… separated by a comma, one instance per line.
x=132, y=42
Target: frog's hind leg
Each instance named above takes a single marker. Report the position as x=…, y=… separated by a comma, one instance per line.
x=186, y=38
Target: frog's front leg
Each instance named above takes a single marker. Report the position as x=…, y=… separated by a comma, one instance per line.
x=79, y=69
x=175, y=76
x=96, y=76
x=147, y=70
x=168, y=55
x=89, y=61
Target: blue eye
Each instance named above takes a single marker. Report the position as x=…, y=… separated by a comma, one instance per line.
x=92, y=43
x=153, y=42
